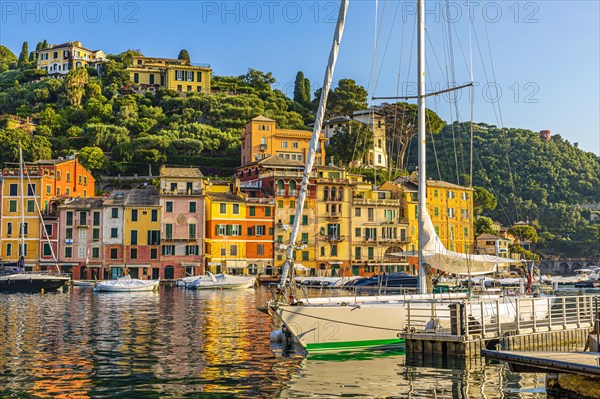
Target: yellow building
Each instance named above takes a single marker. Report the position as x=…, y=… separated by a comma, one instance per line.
x=378, y=231
x=450, y=207
x=62, y=58
x=333, y=228
x=169, y=73
x=490, y=244
x=43, y=181
x=261, y=139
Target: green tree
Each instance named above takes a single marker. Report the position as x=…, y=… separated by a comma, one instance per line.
x=350, y=142
x=23, y=57
x=44, y=44
x=93, y=158
x=75, y=83
x=344, y=99
x=106, y=136
x=401, y=126
x=185, y=56
x=483, y=225
x=483, y=200
x=7, y=59
x=300, y=94
x=524, y=232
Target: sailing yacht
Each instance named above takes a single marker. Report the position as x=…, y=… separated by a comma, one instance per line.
x=349, y=323
x=13, y=277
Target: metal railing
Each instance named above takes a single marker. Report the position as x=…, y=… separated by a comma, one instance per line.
x=490, y=318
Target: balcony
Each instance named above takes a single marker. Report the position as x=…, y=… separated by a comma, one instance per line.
x=263, y=147
x=182, y=192
x=332, y=238
x=333, y=215
x=376, y=202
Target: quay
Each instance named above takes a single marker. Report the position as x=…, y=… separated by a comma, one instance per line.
x=466, y=328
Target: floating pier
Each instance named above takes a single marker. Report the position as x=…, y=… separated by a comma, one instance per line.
x=463, y=329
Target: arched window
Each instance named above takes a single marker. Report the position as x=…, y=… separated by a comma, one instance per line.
x=326, y=193
x=280, y=187
x=292, y=187
x=333, y=194
x=263, y=140
x=341, y=194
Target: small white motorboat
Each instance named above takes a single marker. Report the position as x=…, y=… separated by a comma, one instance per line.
x=127, y=284
x=221, y=281
x=83, y=283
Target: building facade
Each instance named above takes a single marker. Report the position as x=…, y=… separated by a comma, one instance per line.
x=59, y=59
x=261, y=139
x=170, y=73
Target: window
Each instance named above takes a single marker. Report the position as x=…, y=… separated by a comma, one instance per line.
x=451, y=212
x=114, y=232
x=192, y=208
x=267, y=211
x=58, y=191
x=357, y=254
x=9, y=228
x=233, y=250
x=13, y=190
x=69, y=252
x=465, y=213
x=271, y=231
x=370, y=214
x=169, y=206
x=69, y=233
x=260, y=230
x=222, y=209
x=153, y=253
x=357, y=231
x=192, y=231
x=179, y=75
x=451, y=194
x=295, y=144
x=114, y=253
x=96, y=219
x=151, y=78
x=466, y=233
x=220, y=230
x=95, y=252
x=47, y=250
x=81, y=252
x=279, y=203
x=292, y=218
x=192, y=250
x=48, y=189
x=134, y=215
x=48, y=229
x=199, y=77
x=96, y=234
x=252, y=211
x=69, y=218
x=260, y=249
x=168, y=250
x=153, y=237
x=357, y=212
x=236, y=230
x=31, y=190
x=436, y=211
x=279, y=239
x=305, y=220
x=169, y=231
x=284, y=144
x=68, y=177
x=12, y=206
x=236, y=209
x=189, y=88
x=173, y=186
x=134, y=237
x=30, y=206
x=83, y=218
x=334, y=250
x=154, y=217
x=190, y=76
x=250, y=231
x=371, y=253
x=114, y=213
x=465, y=196
x=133, y=253
x=322, y=251
x=292, y=204
x=8, y=249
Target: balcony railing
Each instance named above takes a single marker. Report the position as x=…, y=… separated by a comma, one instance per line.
x=182, y=192
x=263, y=147
x=332, y=238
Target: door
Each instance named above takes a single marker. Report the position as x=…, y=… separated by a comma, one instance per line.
x=116, y=273
x=134, y=272
x=335, y=270
x=169, y=273
x=83, y=273
x=155, y=273
x=355, y=270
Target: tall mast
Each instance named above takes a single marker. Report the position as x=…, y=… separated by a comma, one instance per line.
x=421, y=139
x=314, y=141
x=22, y=185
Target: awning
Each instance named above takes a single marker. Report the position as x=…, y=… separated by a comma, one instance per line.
x=301, y=267
x=215, y=264
x=142, y=266
x=236, y=264
x=336, y=263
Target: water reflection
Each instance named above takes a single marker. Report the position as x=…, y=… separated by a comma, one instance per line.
x=178, y=343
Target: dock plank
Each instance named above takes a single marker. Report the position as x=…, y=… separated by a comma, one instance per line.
x=586, y=363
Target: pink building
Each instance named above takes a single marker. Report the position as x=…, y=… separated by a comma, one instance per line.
x=182, y=230
x=80, y=237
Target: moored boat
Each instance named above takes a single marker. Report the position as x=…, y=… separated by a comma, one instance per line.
x=126, y=284
x=221, y=281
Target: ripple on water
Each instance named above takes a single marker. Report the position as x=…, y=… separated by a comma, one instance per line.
x=179, y=344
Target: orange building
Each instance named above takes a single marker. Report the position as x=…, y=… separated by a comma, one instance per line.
x=43, y=180
x=261, y=139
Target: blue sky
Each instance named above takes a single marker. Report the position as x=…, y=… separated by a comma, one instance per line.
x=546, y=54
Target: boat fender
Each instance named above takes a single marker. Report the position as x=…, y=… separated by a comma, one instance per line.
x=276, y=336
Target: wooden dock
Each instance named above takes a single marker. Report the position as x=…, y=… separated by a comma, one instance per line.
x=584, y=363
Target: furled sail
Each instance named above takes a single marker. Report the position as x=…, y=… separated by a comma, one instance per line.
x=438, y=257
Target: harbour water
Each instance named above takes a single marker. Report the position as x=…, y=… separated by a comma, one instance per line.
x=184, y=344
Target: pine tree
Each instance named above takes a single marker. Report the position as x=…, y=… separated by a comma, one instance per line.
x=307, y=93
x=44, y=44
x=300, y=89
x=24, y=55
x=184, y=55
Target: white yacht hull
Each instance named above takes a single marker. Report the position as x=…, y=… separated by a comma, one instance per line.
x=139, y=286
x=222, y=282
